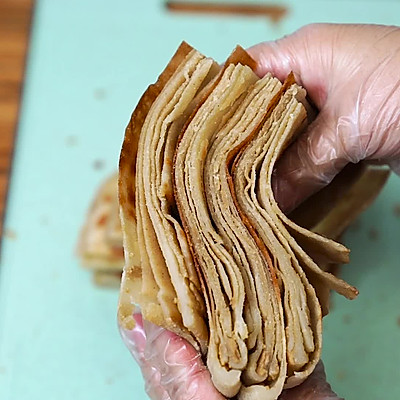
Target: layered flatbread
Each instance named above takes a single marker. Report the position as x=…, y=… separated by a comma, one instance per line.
x=208, y=253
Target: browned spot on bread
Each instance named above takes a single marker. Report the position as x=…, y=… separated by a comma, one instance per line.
x=133, y=273
x=102, y=220
x=118, y=252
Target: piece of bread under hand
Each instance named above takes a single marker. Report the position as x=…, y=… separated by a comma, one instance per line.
x=100, y=246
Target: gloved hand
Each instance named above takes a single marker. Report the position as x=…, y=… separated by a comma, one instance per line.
x=171, y=367
x=351, y=73
x=173, y=370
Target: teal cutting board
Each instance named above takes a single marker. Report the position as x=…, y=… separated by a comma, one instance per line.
x=89, y=62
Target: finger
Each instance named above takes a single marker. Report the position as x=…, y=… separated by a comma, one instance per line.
x=301, y=54
x=183, y=374
x=153, y=386
x=275, y=57
x=135, y=340
x=314, y=388
x=313, y=160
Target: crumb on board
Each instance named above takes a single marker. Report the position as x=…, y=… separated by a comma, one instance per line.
x=44, y=220
x=109, y=381
x=54, y=275
x=71, y=141
x=347, y=319
x=373, y=234
x=355, y=226
x=98, y=164
x=341, y=375
x=396, y=210
x=10, y=234
x=100, y=94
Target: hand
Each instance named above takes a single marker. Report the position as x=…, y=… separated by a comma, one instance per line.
x=173, y=370
x=351, y=73
x=171, y=367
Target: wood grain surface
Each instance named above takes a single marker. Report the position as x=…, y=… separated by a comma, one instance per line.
x=15, y=21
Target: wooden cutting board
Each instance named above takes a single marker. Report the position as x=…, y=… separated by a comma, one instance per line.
x=15, y=21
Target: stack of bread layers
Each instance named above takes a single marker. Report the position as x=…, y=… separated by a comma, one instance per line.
x=209, y=254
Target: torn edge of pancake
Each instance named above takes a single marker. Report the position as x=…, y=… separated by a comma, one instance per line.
x=131, y=277
x=169, y=256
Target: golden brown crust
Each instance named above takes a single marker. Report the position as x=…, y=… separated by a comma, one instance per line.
x=131, y=279
x=127, y=161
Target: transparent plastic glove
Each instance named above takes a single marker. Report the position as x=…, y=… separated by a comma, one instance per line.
x=173, y=370
x=352, y=74
x=171, y=367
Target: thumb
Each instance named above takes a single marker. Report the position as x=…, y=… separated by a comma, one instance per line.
x=183, y=374
x=301, y=54
x=313, y=160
